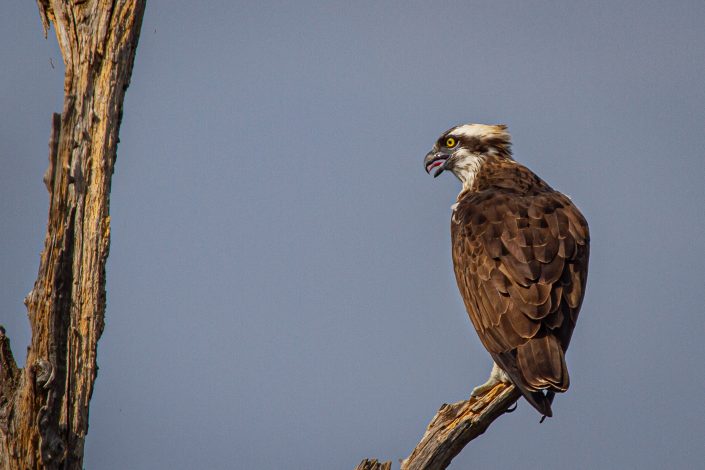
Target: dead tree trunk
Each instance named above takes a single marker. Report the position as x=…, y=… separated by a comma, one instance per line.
x=44, y=407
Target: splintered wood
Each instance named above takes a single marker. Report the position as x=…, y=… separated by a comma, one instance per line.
x=373, y=464
x=44, y=406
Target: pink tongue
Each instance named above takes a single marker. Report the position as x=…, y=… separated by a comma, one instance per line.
x=435, y=164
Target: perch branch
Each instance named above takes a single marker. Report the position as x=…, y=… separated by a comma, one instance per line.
x=454, y=426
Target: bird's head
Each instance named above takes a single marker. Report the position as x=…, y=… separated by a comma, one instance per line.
x=463, y=149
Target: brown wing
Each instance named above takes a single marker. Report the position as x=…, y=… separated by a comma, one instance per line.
x=521, y=264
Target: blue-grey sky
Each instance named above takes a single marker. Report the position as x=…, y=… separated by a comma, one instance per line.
x=280, y=289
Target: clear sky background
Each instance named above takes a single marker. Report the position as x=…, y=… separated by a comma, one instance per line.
x=280, y=288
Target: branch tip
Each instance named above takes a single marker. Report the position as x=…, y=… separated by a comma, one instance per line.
x=374, y=464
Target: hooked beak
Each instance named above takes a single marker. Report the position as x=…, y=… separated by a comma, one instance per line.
x=436, y=160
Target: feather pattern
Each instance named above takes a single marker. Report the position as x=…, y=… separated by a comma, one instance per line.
x=520, y=253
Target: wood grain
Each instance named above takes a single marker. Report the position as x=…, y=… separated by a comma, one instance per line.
x=44, y=407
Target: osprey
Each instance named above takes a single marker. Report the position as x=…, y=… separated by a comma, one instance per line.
x=520, y=252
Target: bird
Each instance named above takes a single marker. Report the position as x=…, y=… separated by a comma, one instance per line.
x=520, y=254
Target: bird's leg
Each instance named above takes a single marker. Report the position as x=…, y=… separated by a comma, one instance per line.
x=496, y=376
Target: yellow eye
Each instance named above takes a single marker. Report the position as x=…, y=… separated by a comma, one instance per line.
x=451, y=142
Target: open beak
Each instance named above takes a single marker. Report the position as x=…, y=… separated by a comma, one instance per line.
x=437, y=161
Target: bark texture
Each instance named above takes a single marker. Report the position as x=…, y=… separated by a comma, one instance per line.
x=454, y=426
x=44, y=406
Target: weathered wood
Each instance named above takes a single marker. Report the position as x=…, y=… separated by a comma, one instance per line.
x=44, y=407
x=9, y=378
x=373, y=464
x=454, y=426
